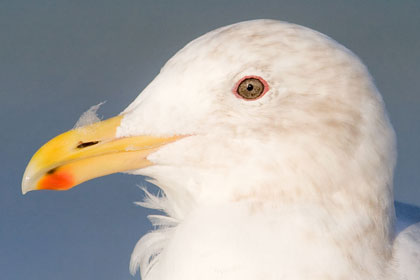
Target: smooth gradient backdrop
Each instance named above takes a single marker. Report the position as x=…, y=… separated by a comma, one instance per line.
x=57, y=58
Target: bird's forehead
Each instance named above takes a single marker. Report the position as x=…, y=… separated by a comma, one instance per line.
x=284, y=54
x=262, y=42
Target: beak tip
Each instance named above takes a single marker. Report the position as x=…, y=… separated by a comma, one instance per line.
x=27, y=184
x=25, y=190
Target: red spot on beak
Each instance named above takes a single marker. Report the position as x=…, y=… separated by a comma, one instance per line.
x=56, y=180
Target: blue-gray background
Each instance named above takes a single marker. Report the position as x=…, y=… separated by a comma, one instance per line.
x=57, y=58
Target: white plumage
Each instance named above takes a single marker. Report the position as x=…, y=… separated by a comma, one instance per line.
x=294, y=185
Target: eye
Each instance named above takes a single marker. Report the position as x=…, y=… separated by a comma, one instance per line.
x=251, y=87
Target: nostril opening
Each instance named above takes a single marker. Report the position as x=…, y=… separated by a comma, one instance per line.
x=51, y=171
x=86, y=144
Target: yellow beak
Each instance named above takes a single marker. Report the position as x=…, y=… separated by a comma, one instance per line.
x=88, y=152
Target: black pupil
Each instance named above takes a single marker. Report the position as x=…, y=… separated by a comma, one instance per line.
x=250, y=87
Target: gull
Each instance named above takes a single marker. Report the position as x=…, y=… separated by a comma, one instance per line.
x=274, y=153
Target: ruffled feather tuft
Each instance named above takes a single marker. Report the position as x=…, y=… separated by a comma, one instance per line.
x=147, y=250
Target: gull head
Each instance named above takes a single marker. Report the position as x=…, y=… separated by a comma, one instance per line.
x=265, y=114
x=260, y=110
x=312, y=127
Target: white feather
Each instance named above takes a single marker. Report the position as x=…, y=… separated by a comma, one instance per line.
x=89, y=117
